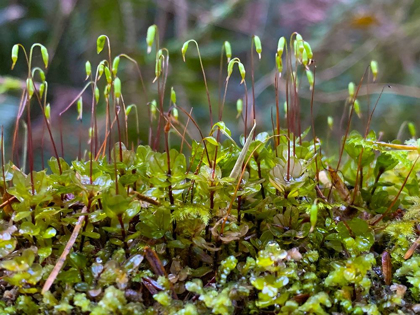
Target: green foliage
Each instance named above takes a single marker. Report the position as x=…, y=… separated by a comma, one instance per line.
x=225, y=228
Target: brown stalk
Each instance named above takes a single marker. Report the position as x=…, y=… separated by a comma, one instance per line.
x=276, y=88
x=199, y=130
x=359, y=163
x=30, y=145
x=348, y=127
x=185, y=129
x=313, y=127
x=412, y=249
x=60, y=262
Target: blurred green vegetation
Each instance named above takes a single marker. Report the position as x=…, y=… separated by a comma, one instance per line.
x=345, y=36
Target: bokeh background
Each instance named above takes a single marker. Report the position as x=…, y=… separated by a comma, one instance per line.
x=345, y=35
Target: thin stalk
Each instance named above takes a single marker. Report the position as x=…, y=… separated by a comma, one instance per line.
x=313, y=127
x=185, y=129
x=43, y=127
x=116, y=173
x=199, y=130
x=205, y=80
x=61, y=137
x=30, y=145
x=150, y=138
x=253, y=85
x=220, y=78
x=86, y=222
x=102, y=148
x=161, y=93
x=169, y=173
x=95, y=124
x=16, y=131
x=2, y=158
x=119, y=130
x=108, y=113
x=347, y=129
x=80, y=140
x=42, y=146
x=359, y=164
x=246, y=111
x=29, y=62
x=276, y=88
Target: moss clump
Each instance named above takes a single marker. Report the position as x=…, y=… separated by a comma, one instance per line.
x=218, y=228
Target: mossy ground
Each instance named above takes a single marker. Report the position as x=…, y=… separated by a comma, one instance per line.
x=257, y=226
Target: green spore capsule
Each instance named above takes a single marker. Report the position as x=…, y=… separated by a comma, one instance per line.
x=280, y=46
x=100, y=43
x=374, y=68
x=258, y=46
x=228, y=50
x=351, y=89
x=115, y=65
x=150, y=37
x=117, y=87
x=15, y=52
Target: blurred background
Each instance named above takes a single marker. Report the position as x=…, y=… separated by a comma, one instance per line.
x=345, y=36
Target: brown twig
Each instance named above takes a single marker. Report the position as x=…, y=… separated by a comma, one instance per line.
x=60, y=262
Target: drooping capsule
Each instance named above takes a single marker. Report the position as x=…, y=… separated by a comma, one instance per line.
x=107, y=90
x=97, y=95
x=304, y=58
x=100, y=43
x=150, y=37
x=357, y=108
x=117, y=87
x=15, y=52
x=242, y=71
x=100, y=70
x=115, y=64
x=280, y=46
x=30, y=87
x=175, y=113
x=44, y=54
x=80, y=108
x=108, y=75
x=308, y=50
x=47, y=112
x=153, y=108
x=230, y=68
x=128, y=109
x=41, y=89
x=239, y=107
x=184, y=50
x=158, y=68
x=279, y=63
x=228, y=50
x=311, y=80
x=173, y=95
x=351, y=90
x=88, y=69
x=374, y=68
x=330, y=121
x=258, y=46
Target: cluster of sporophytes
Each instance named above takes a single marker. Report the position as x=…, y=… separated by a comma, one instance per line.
x=266, y=224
